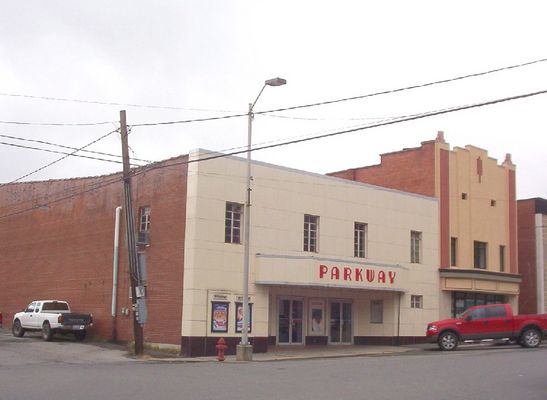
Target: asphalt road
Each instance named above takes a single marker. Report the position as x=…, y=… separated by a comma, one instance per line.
x=32, y=369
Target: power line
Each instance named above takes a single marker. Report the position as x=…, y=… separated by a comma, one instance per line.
x=68, y=197
x=186, y=121
x=57, y=123
x=60, y=159
x=59, y=152
x=417, y=86
x=108, y=103
x=474, y=75
x=68, y=147
x=391, y=91
x=162, y=164
x=376, y=125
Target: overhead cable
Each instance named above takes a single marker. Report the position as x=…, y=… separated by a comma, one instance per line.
x=161, y=164
x=391, y=91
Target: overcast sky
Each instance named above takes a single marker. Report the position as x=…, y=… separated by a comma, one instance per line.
x=210, y=58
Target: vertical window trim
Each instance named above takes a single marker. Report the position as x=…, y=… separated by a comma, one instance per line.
x=311, y=241
x=229, y=222
x=453, y=252
x=502, y=258
x=415, y=247
x=144, y=218
x=416, y=301
x=480, y=248
x=360, y=239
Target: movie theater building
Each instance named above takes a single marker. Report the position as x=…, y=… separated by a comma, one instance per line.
x=332, y=261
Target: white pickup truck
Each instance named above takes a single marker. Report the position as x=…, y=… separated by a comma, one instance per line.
x=50, y=317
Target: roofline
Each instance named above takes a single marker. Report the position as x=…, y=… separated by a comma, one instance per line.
x=322, y=176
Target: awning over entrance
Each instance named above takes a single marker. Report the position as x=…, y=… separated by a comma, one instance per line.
x=310, y=271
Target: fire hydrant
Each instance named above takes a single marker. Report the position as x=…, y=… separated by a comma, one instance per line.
x=221, y=346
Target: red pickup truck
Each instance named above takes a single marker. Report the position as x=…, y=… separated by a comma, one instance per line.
x=491, y=321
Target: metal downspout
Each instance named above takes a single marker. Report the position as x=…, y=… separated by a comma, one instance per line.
x=115, y=264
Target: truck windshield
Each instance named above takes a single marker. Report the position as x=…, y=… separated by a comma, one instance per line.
x=55, y=306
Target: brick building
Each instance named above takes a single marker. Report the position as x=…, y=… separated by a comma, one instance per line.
x=56, y=242
x=532, y=242
x=477, y=213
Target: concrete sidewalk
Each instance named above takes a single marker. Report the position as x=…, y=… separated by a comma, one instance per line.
x=278, y=353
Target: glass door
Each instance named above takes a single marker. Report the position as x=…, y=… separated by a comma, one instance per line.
x=340, y=322
x=290, y=321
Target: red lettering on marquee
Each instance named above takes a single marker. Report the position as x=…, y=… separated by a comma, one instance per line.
x=323, y=269
x=358, y=274
x=347, y=273
x=381, y=277
x=370, y=275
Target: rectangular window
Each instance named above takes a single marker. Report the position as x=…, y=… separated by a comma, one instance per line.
x=144, y=225
x=453, y=251
x=232, y=226
x=376, y=311
x=502, y=258
x=360, y=240
x=480, y=254
x=311, y=227
x=416, y=301
x=415, y=246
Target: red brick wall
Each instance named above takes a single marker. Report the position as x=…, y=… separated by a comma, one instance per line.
x=64, y=251
x=410, y=170
x=527, y=256
x=513, y=245
x=444, y=210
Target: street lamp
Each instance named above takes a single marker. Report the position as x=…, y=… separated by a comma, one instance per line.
x=244, y=349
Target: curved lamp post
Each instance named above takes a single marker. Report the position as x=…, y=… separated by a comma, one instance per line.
x=244, y=349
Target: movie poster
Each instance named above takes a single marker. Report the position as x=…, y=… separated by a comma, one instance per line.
x=219, y=321
x=239, y=317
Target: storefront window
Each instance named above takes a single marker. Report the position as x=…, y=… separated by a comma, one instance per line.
x=461, y=301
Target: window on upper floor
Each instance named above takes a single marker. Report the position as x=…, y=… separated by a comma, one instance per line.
x=453, y=251
x=360, y=240
x=479, y=252
x=415, y=247
x=502, y=258
x=144, y=218
x=232, y=224
x=311, y=230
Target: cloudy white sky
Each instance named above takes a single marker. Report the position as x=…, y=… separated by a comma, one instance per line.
x=210, y=58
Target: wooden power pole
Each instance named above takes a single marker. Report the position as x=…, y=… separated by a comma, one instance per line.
x=130, y=234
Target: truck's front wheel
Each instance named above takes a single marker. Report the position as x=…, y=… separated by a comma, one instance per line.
x=530, y=338
x=448, y=341
x=47, y=333
x=17, y=329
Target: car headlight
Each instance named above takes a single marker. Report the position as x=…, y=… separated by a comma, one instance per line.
x=432, y=328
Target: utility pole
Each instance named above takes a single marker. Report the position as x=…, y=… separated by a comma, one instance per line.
x=130, y=234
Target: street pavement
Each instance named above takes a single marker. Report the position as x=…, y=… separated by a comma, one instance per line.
x=33, y=369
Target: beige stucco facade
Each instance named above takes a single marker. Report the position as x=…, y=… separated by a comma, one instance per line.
x=283, y=275
x=481, y=207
